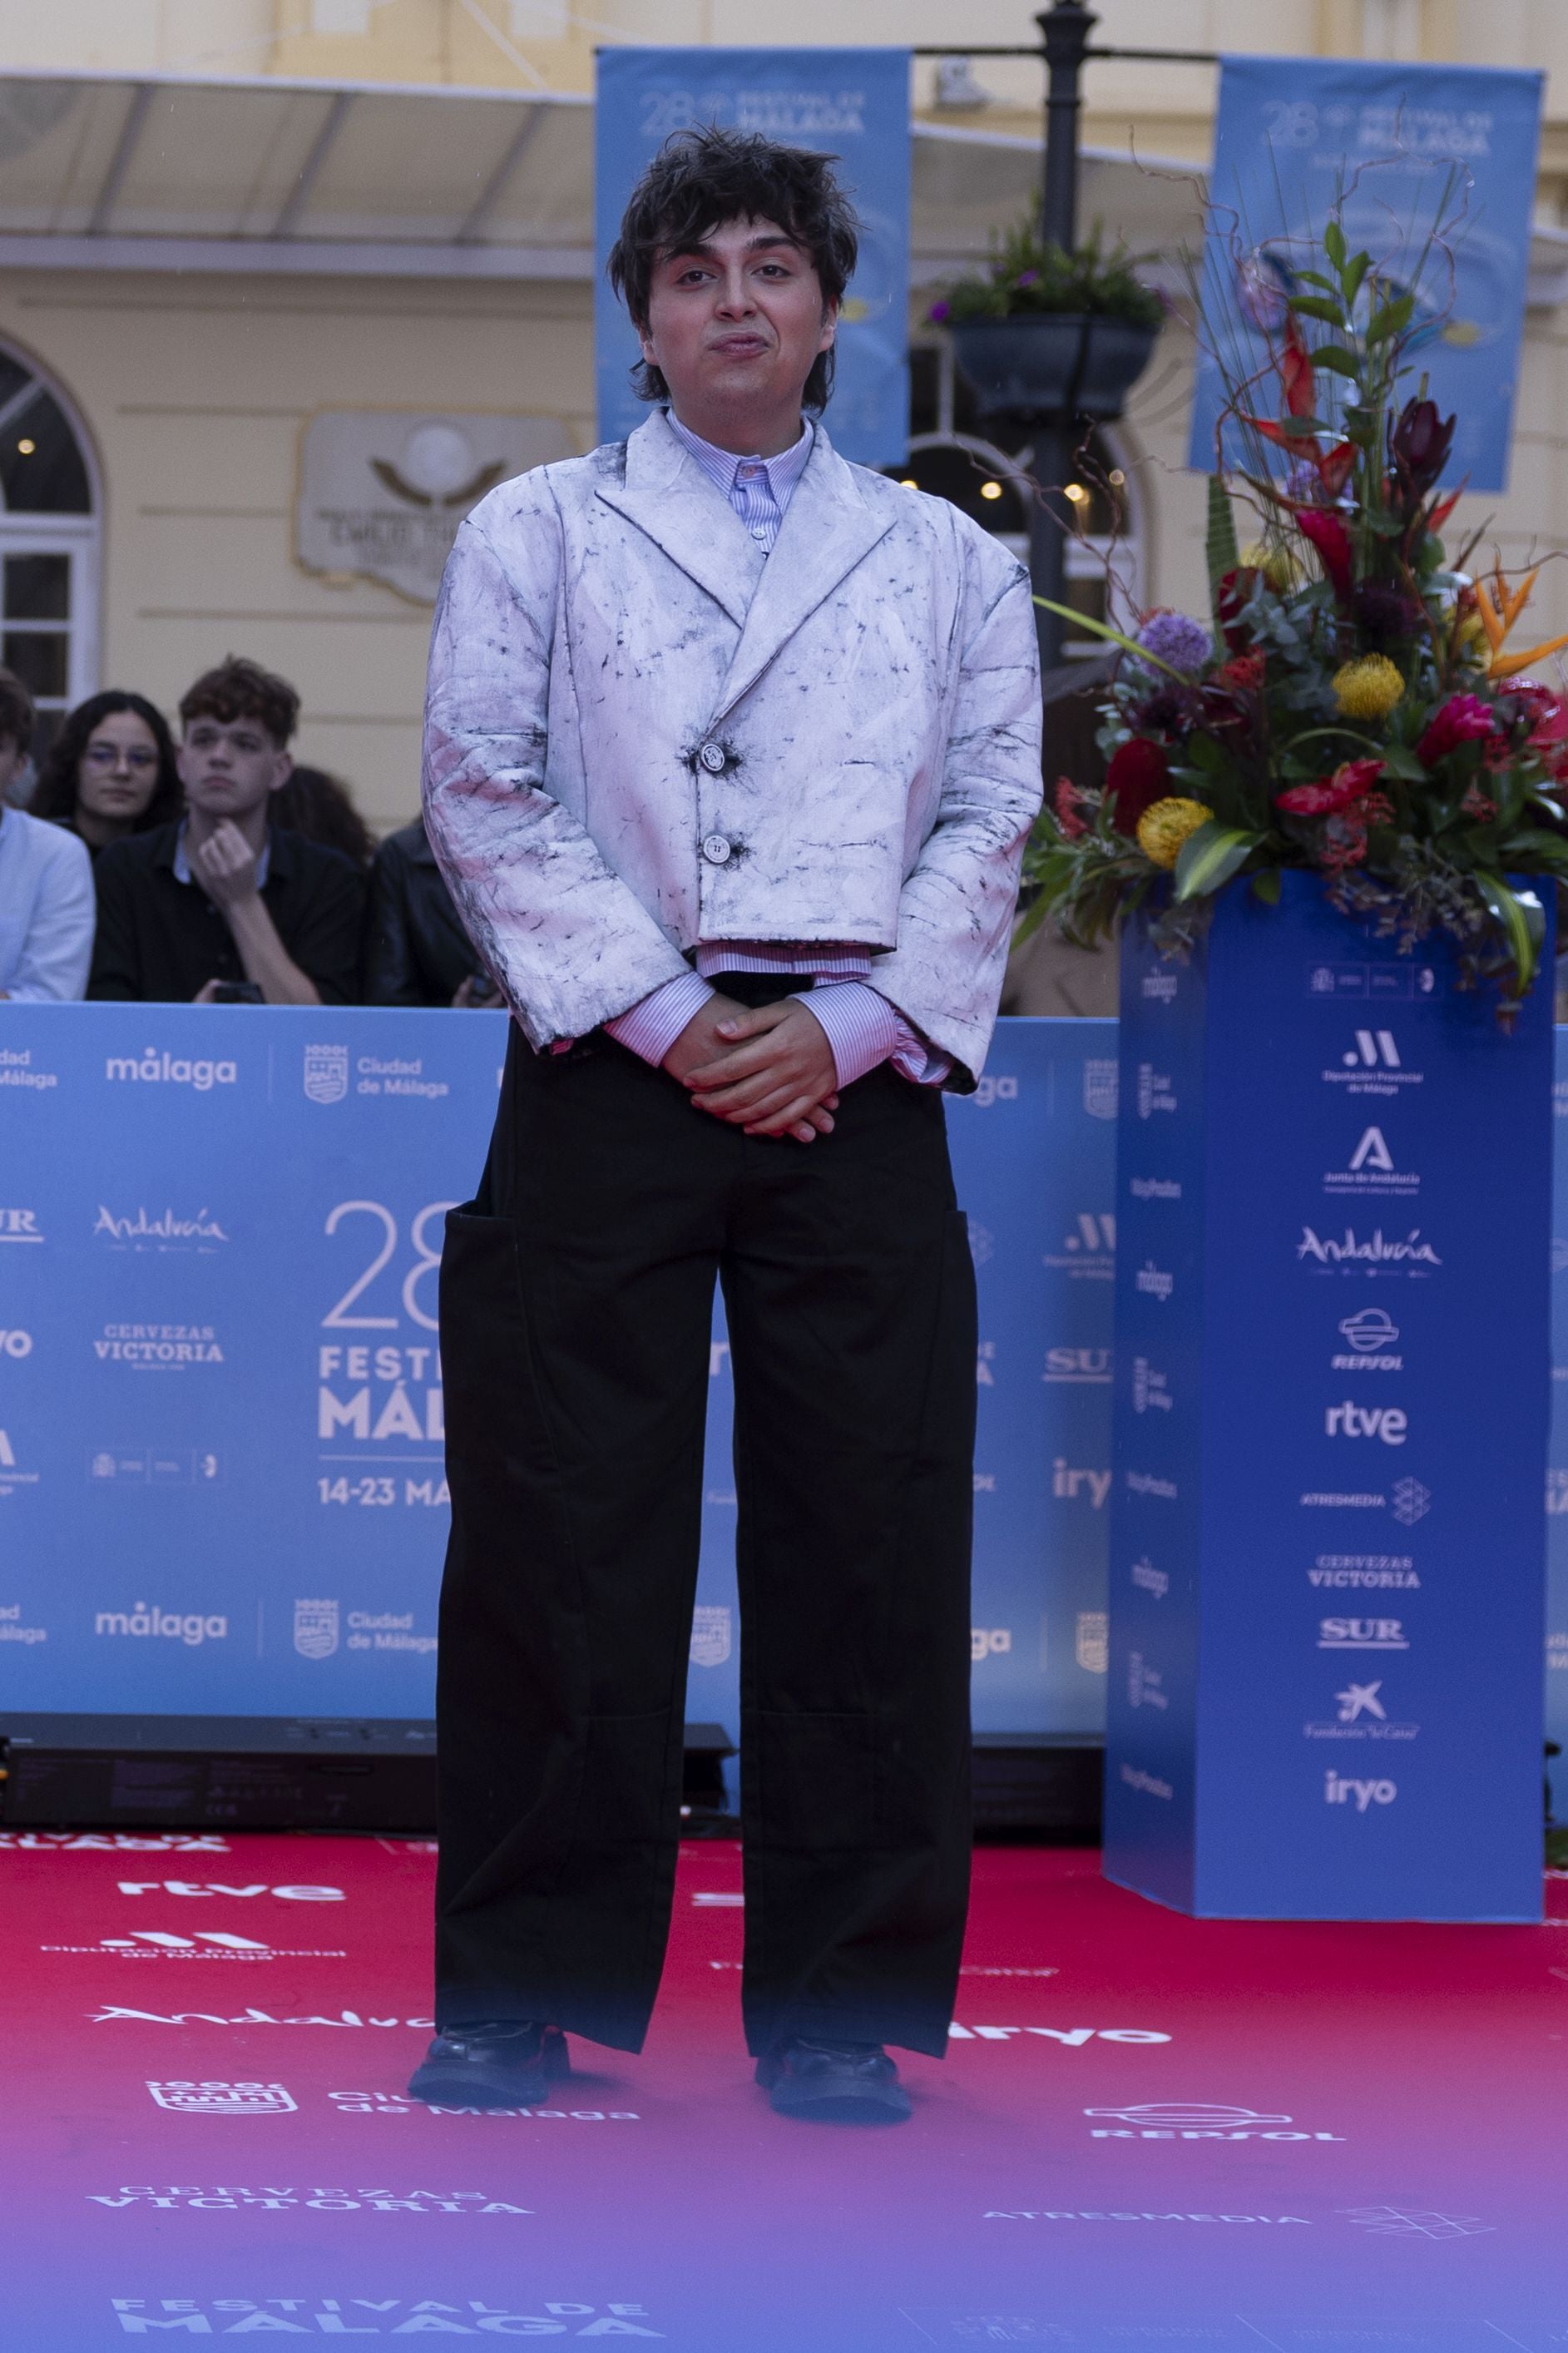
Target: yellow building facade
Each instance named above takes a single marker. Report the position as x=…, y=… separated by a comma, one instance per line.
x=281, y=280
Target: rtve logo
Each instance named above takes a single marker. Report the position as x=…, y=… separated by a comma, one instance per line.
x=1389, y=1422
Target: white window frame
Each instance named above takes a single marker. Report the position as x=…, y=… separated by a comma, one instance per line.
x=80, y=536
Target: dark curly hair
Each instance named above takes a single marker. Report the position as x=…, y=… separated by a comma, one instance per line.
x=241, y=689
x=54, y=795
x=700, y=179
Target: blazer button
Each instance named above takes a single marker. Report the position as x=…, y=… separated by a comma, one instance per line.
x=716, y=849
x=712, y=758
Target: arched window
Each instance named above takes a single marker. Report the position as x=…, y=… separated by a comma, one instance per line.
x=50, y=529
x=950, y=455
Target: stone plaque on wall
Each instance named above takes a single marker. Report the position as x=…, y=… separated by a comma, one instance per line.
x=381, y=491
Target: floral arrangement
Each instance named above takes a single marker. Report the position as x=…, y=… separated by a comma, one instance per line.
x=1027, y=275
x=1355, y=705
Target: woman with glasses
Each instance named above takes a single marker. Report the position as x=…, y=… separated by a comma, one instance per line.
x=109, y=771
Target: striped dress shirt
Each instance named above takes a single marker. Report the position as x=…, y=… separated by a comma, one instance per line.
x=862, y=1028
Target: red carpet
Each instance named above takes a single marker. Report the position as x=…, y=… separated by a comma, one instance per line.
x=1150, y=2131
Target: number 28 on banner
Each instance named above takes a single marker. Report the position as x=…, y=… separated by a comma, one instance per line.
x=383, y=1392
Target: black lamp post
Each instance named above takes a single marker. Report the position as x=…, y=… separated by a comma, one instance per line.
x=1065, y=28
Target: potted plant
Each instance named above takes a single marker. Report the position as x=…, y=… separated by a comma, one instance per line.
x=1045, y=333
x=1330, y=833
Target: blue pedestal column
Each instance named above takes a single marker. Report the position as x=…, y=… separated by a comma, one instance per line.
x=1327, y=1581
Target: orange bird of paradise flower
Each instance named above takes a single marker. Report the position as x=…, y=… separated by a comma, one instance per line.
x=1499, y=607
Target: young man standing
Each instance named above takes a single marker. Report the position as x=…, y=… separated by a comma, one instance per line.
x=731, y=749
x=224, y=903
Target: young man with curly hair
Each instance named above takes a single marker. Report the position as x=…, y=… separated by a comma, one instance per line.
x=731, y=749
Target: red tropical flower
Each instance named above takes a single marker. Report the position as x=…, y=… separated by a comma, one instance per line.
x=1138, y=775
x=1351, y=782
x=1463, y=718
x=1067, y=818
x=1329, y=535
x=1243, y=675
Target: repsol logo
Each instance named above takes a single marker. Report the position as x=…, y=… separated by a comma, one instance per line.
x=190, y=1627
x=154, y=1068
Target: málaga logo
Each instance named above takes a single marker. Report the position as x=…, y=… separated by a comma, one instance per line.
x=326, y=1073
x=152, y=1068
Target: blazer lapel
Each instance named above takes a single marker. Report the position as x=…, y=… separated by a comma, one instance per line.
x=667, y=494
x=827, y=528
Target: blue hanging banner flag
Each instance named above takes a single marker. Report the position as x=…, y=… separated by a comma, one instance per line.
x=850, y=103
x=1432, y=171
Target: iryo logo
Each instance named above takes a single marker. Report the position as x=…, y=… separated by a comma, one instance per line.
x=1339, y=1788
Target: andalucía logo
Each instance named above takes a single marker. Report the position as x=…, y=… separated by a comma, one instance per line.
x=214, y=2099
x=166, y=1232
x=326, y=1073
x=1198, y=2120
x=1411, y=1256
x=1370, y=1172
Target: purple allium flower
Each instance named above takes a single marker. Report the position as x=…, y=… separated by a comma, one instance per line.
x=938, y=312
x=1185, y=644
x=1026, y=278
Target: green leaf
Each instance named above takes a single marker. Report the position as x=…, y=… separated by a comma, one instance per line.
x=1335, y=243
x=1391, y=320
x=1336, y=359
x=1525, y=926
x=1100, y=629
x=1266, y=886
x=1210, y=857
x=1302, y=429
x=1222, y=548
x=1353, y=275
x=1316, y=278
x=1399, y=761
x=1319, y=306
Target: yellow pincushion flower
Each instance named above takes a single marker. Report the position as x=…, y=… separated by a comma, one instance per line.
x=1162, y=829
x=1279, y=566
x=1368, y=688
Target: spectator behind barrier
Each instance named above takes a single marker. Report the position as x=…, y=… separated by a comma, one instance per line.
x=46, y=878
x=416, y=949
x=321, y=807
x=224, y=907
x=110, y=771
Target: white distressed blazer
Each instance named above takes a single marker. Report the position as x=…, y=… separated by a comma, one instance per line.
x=641, y=732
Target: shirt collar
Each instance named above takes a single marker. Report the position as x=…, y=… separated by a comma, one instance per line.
x=182, y=864
x=721, y=465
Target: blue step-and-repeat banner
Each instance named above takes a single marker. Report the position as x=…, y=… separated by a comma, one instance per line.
x=220, y=1401
x=221, y=1430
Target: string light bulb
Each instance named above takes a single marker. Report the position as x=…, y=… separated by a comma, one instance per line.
x=26, y=447
x=1076, y=492
x=990, y=490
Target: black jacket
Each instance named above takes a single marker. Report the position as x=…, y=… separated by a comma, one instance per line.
x=416, y=949
x=161, y=939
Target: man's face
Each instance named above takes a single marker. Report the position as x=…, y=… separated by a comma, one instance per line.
x=229, y=766
x=738, y=319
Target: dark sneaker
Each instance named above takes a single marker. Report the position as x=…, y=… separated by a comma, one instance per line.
x=834, y=2083
x=496, y=2063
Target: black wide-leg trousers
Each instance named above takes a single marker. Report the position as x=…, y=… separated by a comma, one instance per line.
x=576, y=1296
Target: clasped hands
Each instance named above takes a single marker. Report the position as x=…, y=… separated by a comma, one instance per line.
x=769, y=1070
